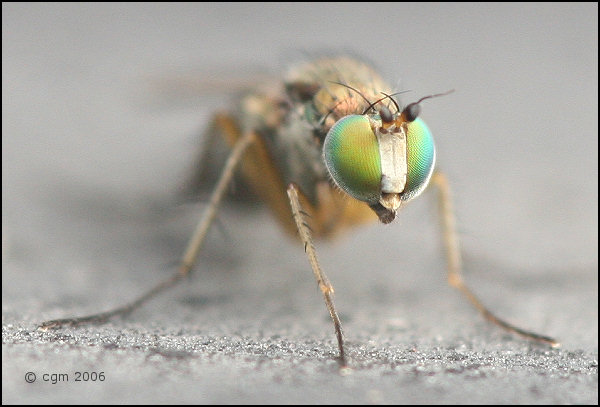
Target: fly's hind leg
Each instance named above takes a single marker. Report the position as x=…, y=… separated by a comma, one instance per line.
x=453, y=256
x=227, y=126
x=322, y=280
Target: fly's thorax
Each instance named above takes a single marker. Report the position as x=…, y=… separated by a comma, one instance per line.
x=332, y=87
x=383, y=163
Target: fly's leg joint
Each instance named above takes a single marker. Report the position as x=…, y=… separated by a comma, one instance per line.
x=326, y=288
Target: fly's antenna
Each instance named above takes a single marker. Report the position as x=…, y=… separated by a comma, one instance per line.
x=412, y=110
x=434, y=96
x=390, y=97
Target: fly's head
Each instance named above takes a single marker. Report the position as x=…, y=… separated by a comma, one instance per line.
x=382, y=158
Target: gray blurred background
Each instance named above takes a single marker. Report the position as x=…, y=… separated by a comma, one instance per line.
x=103, y=108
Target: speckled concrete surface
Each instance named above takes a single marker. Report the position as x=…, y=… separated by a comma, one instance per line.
x=91, y=155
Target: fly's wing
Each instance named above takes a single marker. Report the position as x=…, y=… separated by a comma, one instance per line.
x=212, y=89
x=189, y=87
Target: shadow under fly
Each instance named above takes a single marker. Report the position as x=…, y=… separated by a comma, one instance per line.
x=326, y=148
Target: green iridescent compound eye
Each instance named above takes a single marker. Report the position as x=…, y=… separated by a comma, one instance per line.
x=351, y=155
x=421, y=158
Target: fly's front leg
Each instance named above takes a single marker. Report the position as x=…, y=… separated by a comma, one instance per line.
x=324, y=284
x=226, y=125
x=454, y=260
